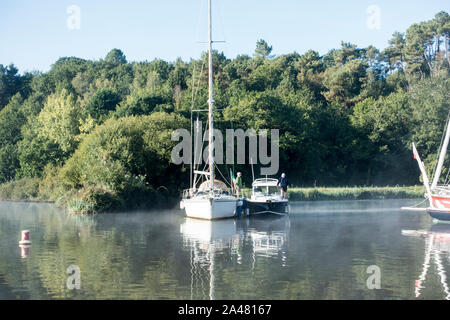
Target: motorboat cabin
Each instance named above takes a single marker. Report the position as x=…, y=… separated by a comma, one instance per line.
x=267, y=198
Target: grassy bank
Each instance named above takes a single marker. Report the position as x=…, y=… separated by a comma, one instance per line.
x=20, y=190
x=85, y=201
x=352, y=193
x=355, y=193
x=97, y=200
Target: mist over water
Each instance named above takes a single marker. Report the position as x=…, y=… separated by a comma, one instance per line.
x=320, y=251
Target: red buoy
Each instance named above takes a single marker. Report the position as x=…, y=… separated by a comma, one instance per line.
x=25, y=237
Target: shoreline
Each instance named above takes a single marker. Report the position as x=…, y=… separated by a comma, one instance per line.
x=355, y=193
x=297, y=194
x=28, y=201
x=294, y=201
x=352, y=193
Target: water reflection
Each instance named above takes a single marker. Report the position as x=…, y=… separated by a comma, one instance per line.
x=320, y=251
x=437, y=246
x=24, y=250
x=262, y=236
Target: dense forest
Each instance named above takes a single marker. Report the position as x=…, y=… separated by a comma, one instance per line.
x=101, y=129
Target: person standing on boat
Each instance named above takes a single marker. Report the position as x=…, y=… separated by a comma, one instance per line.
x=283, y=182
x=238, y=183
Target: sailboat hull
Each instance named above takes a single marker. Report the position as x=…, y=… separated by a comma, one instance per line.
x=441, y=202
x=210, y=209
x=439, y=214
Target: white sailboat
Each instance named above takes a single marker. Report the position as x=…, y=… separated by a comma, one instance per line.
x=211, y=200
x=437, y=195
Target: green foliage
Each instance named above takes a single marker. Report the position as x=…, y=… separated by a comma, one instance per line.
x=395, y=53
x=344, y=83
x=121, y=150
x=345, y=118
x=388, y=125
x=22, y=189
x=115, y=56
x=50, y=137
x=423, y=50
x=150, y=75
x=263, y=49
x=430, y=101
x=387, y=121
x=11, y=121
x=93, y=200
x=310, y=68
x=63, y=71
x=102, y=102
x=126, y=158
x=59, y=121
x=264, y=77
x=9, y=162
x=11, y=82
x=35, y=153
x=12, y=118
x=142, y=102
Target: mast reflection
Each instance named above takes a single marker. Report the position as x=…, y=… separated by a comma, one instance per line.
x=437, y=246
x=234, y=240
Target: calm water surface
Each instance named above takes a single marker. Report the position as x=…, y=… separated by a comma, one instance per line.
x=321, y=251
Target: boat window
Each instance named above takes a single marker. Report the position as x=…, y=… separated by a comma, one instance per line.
x=274, y=190
x=257, y=190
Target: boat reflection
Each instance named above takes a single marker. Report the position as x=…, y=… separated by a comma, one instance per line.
x=437, y=246
x=234, y=240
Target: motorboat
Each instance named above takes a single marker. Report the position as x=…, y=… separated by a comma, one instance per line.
x=266, y=198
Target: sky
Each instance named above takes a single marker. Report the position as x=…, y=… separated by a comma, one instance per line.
x=34, y=34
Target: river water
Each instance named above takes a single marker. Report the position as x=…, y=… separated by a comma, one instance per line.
x=322, y=250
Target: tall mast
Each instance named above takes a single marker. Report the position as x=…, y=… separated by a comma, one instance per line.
x=437, y=174
x=210, y=100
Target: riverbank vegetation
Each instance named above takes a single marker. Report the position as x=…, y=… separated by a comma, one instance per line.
x=351, y=193
x=356, y=193
x=95, y=135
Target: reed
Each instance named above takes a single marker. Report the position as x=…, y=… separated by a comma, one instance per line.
x=355, y=193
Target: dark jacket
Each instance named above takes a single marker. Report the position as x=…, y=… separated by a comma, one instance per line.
x=283, y=182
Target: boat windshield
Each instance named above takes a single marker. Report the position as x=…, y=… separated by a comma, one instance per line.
x=257, y=190
x=266, y=190
x=274, y=190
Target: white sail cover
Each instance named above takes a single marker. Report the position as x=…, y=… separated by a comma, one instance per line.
x=218, y=185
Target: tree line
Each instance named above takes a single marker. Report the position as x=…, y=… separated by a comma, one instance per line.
x=346, y=118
